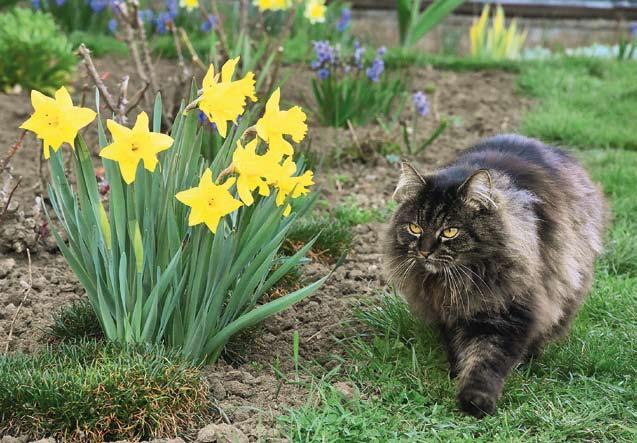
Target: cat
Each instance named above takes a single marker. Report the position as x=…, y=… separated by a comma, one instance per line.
x=497, y=250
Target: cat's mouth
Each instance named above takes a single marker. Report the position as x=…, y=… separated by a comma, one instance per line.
x=433, y=264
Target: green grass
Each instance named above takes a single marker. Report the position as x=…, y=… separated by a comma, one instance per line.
x=403, y=58
x=74, y=322
x=583, y=103
x=582, y=389
x=99, y=44
x=94, y=391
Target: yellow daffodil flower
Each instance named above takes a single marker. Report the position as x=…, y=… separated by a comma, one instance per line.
x=276, y=123
x=209, y=202
x=189, y=4
x=130, y=146
x=56, y=121
x=272, y=5
x=288, y=184
x=315, y=11
x=254, y=170
x=225, y=100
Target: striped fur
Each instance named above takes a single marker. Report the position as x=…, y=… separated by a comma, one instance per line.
x=531, y=225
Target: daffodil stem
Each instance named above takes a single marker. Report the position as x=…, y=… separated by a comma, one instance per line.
x=193, y=104
x=226, y=172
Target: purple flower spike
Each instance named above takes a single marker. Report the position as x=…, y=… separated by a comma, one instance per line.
x=36, y=4
x=375, y=70
x=59, y=2
x=98, y=6
x=633, y=29
x=173, y=8
x=323, y=73
x=421, y=103
x=209, y=23
x=343, y=21
x=161, y=22
x=112, y=25
x=359, y=51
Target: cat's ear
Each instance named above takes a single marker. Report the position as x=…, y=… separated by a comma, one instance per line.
x=410, y=182
x=477, y=190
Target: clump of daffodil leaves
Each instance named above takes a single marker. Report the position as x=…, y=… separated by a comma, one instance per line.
x=186, y=244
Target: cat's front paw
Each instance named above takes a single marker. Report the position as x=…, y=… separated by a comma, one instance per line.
x=477, y=403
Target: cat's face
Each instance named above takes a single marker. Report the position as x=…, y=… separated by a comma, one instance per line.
x=444, y=221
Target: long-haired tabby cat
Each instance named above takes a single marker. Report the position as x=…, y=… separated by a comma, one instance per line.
x=497, y=250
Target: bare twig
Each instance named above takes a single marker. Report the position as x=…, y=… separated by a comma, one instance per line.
x=143, y=40
x=12, y=150
x=123, y=16
x=5, y=210
x=194, y=57
x=97, y=80
x=123, y=96
x=219, y=29
x=27, y=291
x=136, y=98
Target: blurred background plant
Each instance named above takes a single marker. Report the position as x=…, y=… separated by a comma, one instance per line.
x=348, y=89
x=78, y=15
x=414, y=24
x=496, y=42
x=34, y=54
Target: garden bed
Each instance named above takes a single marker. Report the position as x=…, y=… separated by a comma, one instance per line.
x=251, y=393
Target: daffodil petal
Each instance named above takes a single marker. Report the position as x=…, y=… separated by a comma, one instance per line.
x=227, y=71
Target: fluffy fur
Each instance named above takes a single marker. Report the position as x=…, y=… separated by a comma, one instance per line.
x=530, y=225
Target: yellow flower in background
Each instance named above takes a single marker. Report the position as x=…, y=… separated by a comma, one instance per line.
x=254, y=170
x=276, y=123
x=315, y=11
x=225, y=100
x=130, y=146
x=272, y=5
x=289, y=185
x=209, y=202
x=56, y=121
x=189, y=4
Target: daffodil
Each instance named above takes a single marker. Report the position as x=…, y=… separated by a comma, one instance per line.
x=276, y=123
x=56, y=121
x=225, y=100
x=254, y=170
x=289, y=185
x=209, y=202
x=272, y=5
x=315, y=11
x=189, y=4
x=130, y=146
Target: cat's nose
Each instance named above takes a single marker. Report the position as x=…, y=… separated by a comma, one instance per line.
x=424, y=254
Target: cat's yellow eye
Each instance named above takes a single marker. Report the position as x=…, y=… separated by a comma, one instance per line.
x=450, y=232
x=415, y=229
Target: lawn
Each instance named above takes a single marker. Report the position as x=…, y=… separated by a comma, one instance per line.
x=583, y=388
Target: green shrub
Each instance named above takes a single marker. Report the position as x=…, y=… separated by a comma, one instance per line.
x=94, y=391
x=33, y=52
x=75, y=321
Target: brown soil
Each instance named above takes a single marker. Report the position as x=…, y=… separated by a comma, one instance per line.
x=250, y=394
